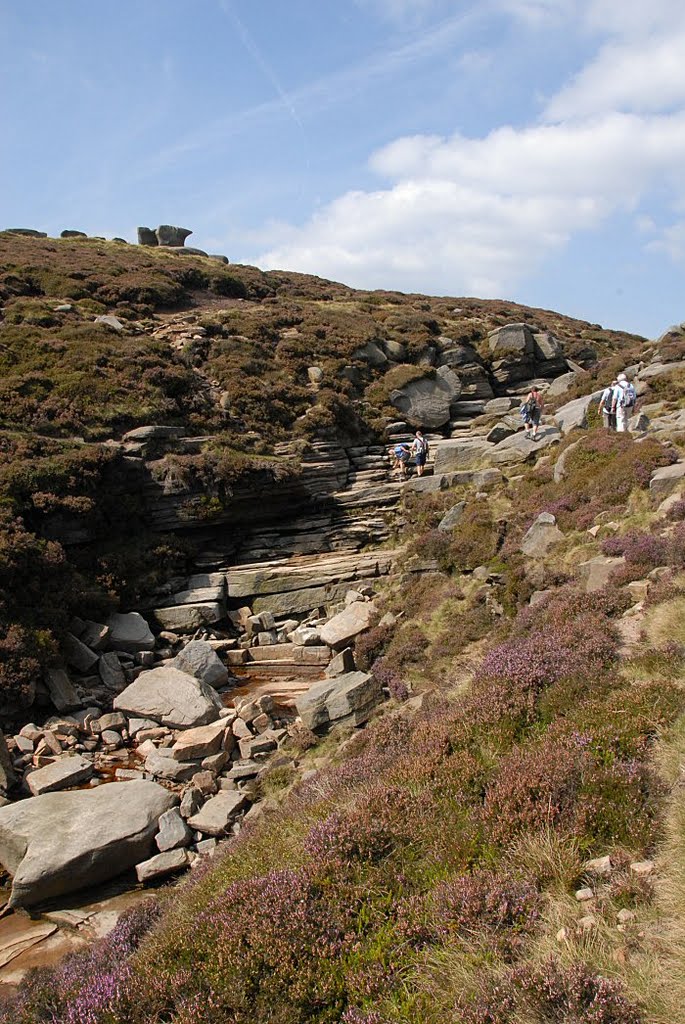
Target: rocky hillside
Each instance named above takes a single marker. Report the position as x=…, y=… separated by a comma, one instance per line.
x=260, y=396
x=502, y=841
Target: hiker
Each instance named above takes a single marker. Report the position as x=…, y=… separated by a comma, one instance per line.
x=401, y=453
x=623, y=402
x=606, y=405
x=531, y=410
x=419, y=447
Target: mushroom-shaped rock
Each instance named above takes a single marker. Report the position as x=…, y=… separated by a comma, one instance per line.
x=168, y=234
x=169, y=696
x=146, y=236
x=100, y=833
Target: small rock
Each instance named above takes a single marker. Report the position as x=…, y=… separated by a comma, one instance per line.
x=110, y=321
x=191, y=802
x=642, y=868
x=599, y=866
x=625, y=916
x=562, y=935
x=163, y=864
x=173, y=831
x=587, y=923
x=582, y=895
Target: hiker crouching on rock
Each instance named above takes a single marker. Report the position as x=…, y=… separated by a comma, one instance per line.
x=623, y=402
x=531, y=411
x=419, y=448
x=606, y=405
x=401, y=453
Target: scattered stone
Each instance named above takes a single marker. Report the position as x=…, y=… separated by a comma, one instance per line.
x=168, y=768
x=206, y=847
x=62, y=692
x=642, y=868
x=111, y=321
x=130, y=632
x=199, y=659
x=171, y=697
x=217, y=815
x=542, y=535
x=77, y=654
x=102, y=832
x=110, y=671
x=306, y=636
x=563, y=935
x=162, y=865
x=348, y=697
x=94, y=635
x=341, y=663
x=191, y=802
x=625, y=916
x=587, y=923
x=111, y=738
x=600, y=866
x=597, y=571
x=348, y=624
x=173, y=831
x=452, y=517
x=194, y=744
x=582, y=895
x=667, y=479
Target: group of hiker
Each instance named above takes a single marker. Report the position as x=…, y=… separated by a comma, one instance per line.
x=617, y=403
x=403, y=452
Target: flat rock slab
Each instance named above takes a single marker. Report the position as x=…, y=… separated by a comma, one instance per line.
x=171, y=697
x=20, y=934
x=185, y=617
x=347, y=624
x=216, y=816
x=61, y=842
x=65, y=772
x=667, y=479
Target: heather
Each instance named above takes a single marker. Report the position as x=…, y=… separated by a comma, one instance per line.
x=400, y=858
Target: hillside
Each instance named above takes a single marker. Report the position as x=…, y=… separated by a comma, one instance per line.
x=503, y=841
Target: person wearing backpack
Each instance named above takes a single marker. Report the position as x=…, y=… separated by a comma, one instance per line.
x=419, y=447
x=606, y=405
x=401, y=453
x=531, y=411
x=623, y=402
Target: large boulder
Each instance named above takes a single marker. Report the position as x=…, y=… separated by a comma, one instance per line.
x=130, y=632
x=199, y=659
x=512, y=353
x=60, y=842
x=426, y=403
x=347, y=624
x=542, y=535
x=346, y=698
x=573, y=415
x=171, y=697
x=596, y=572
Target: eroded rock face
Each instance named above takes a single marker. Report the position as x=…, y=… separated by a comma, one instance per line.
x=102, y=832
x=171, y=697
x=426, y=403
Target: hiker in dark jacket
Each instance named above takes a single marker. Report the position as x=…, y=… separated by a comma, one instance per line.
x=531, y=411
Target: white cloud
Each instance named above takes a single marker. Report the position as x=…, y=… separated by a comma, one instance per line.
x=638, y=74
x=478, y=215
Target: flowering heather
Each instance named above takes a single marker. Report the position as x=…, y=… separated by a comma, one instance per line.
x=391, y=679
x=646, y=550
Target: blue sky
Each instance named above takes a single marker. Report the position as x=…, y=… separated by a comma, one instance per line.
x=525, y=149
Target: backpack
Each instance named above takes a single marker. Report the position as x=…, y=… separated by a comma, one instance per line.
x=607, y=400
x=529, y=407
x=421, y=445
x=626, y=396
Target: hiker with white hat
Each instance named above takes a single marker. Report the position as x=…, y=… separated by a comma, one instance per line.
x=623, y=402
